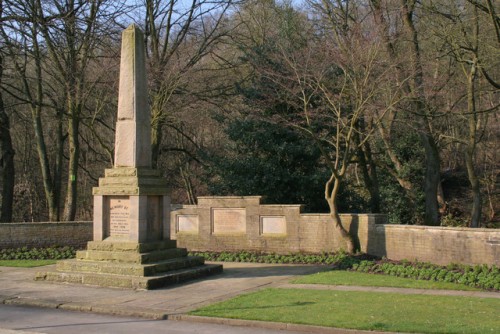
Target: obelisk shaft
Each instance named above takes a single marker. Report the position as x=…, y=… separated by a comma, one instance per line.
x=133, y=126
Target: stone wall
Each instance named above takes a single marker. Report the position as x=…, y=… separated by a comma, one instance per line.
x=242, y=223
x=440, y=245
x=76, y=234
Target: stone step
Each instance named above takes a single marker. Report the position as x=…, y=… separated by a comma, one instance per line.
x=131, y=282
x=120, y=246
x=131, y=256
x=133, y=269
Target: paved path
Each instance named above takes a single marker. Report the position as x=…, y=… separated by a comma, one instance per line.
x=17, y=287
x=433, y=292
x=20, y=320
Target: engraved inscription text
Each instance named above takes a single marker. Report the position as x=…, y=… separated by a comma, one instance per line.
x=119, y=213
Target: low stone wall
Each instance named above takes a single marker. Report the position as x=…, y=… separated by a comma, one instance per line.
x=440, y=245
x=242, y=223
x=76, y=234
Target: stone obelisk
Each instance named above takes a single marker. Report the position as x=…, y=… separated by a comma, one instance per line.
x=131, y=246
x=133, y=127
x=131, y=203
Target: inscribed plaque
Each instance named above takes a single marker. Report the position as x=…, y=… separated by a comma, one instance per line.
x=119, y=213
x=229, y=221
x=273, y=224
x=187, y=223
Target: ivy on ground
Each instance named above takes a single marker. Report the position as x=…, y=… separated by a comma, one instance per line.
x=480, y=276
x=48, y=253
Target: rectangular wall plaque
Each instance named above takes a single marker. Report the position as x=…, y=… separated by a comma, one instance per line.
x=187, y=223
x=228, y=221
x=273, y=224
x=119, y=213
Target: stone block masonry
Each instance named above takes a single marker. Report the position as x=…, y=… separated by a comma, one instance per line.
x=283, y=229
x=76, y=234
x=242, y=223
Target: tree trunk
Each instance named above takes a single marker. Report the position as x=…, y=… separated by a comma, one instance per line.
x=432, y=180
x=414, y=88
x=432, y=172
x=331, y=192
x=471, y=147
x=369, y=170
x=6, y=160
x=156, y=136
x=74, y=154
x=57, y=176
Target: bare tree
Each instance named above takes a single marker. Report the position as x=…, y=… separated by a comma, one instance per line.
x=470, y=47
x=6, y=155
x=327, y=86
x=178, y=36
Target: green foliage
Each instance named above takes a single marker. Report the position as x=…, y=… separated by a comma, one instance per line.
x=400, y=206
x=338, y=259
x=480, y=276
x=271, y=161
x=451, y=221
x=355, y=278
x=49, y=253
x=277, y=163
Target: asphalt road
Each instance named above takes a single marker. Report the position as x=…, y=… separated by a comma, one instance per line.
x=42, y=320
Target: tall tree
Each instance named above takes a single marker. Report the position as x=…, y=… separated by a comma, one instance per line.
x=55, y=43
x=470, y=44
x=178, y=36
x=21, y=38
x=6, y=154
x=324, y=100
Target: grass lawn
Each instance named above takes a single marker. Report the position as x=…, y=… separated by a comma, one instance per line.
x=364, y=310
x=26, y=263
x=340, y=277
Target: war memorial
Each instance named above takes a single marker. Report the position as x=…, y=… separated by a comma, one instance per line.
x=131, y=245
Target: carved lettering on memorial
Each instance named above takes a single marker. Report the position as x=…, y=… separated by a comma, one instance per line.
x=119, y=213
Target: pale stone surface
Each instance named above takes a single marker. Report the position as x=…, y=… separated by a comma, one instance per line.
x=99, y=226
x=231, y=220
x=187, y=223
x=166, y=216
x=273, y=224
x=133, y=128
x=119, y=213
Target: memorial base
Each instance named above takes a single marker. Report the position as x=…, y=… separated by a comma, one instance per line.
x=130, y=265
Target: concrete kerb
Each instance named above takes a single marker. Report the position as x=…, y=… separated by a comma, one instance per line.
x=270, y=325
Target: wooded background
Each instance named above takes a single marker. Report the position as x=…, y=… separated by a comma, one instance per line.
x=374, y=105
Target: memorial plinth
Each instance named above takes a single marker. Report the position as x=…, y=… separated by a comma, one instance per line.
x=131, y=246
